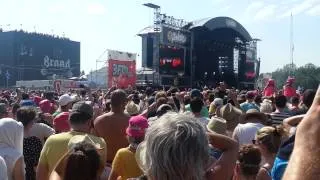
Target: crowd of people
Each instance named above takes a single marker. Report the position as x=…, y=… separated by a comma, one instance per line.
x=160, y=134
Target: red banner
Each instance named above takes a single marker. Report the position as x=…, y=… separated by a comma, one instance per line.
x=121, y=73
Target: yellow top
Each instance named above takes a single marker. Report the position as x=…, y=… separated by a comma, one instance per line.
x=125, y=164
x=56, y=147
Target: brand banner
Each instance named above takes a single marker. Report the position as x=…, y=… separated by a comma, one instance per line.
x=172, y=36
x=122, y=69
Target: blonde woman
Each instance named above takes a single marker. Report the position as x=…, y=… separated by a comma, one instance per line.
x=268, y=139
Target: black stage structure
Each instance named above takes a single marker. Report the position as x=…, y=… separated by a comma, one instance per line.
x=201, y=53
x=36, y=56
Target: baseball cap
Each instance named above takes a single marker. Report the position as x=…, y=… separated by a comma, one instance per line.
x=195, y=93
x=46, y=106
x=137, y=126
x=65, y=99
x=3, y=108
x=82, y=107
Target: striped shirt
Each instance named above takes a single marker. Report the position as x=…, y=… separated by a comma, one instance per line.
x=278, y=117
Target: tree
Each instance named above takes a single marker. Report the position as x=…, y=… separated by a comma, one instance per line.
x=82, y=73
x=307, y=76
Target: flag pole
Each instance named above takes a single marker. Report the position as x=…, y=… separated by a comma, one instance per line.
x=291, y=45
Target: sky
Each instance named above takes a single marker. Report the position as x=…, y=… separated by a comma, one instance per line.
x=113, y=24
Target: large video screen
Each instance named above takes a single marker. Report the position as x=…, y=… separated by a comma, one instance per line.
x=250, y=72
x=171, y=60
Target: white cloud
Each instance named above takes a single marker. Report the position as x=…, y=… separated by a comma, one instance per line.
x=254, y=6
x=96, y=9
x=301, y=7
x=265, y=12
x=315, y=11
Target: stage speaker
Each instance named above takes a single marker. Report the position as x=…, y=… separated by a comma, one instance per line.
x=147, y=51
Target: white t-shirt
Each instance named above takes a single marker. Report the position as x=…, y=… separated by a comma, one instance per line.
x=246, y=132
x=204, y=121
x=3, y=169
x=41, y=131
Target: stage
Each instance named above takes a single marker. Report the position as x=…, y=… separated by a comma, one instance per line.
x=201, y=53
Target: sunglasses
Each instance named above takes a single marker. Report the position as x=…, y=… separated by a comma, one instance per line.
x=254, y=141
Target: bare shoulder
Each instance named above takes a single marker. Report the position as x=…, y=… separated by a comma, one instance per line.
x=102, y=117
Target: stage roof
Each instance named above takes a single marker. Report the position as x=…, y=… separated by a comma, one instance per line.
x=211, y=24
x=222, y=22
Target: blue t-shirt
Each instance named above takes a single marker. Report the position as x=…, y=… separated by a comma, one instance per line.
x=27, y=102
x=279, y=166
x=246, y=106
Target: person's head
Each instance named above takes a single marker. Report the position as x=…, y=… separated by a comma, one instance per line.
x=254, y=116
x=149, y=91
x=211, y=97
x=308, y=97
x=11, y=134
x=248, y=163
x=15, y=108
x=217, y=125
x=81, y=116
x=25, y=96
x=118, y=100
x=82, y=163
x=164, y=108
x=250, y=96
x=195, y=93
x=83, y=93
x=280, y=102
x=258, y=99
x=161, y=101
x=268, y=139
x=161, y=94
x=266, y=107
x=49, y=96
x=107, y=106
x=295, y=101
x=132, y=109
x=218, y=103
x=290, y=81
x=241, y=98
x=65, y=102
x=271, y=82
x=231, y=114
x=174, y=135
x=222, y=86
x=3, y=110
x=26, y=115
x=196, y=105
x=136, y=130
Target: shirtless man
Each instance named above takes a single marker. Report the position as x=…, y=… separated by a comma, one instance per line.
x=111, y=126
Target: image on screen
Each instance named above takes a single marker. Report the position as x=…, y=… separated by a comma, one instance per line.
x=171, y=60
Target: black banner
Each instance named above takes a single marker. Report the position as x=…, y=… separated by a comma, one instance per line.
x=172, y=36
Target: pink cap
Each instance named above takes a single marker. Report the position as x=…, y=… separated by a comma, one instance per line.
x=137, y=126
x=290, y=80
x=271, y=82
x=37, y=100
x=46, y=106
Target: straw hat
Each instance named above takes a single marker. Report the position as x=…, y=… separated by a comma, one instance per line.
x=231, y=114
x=217, y=125
x=253, y=113
x=132, y=108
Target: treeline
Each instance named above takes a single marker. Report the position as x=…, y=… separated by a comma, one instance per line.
x=307, y=76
